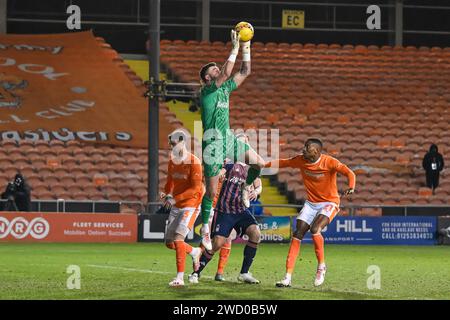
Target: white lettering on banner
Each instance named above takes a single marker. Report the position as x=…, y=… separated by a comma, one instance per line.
x=83, y=224
x=119, y=233
x=7, y=62
x=54, y=113
x=18, y=119
x=47, y=71
x=20, y=47
x=271, y=237
x=123, y=136
x=147, y=234
x=350, y=226
x=74, y=233
x=86, y=136
x=20, y=228
x=96, y=233
x=62, y=134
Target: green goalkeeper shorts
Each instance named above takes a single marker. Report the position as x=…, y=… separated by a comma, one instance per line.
x=214, y=153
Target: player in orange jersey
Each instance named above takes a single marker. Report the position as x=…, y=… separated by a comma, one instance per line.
x=183, y=195
x=319, y=173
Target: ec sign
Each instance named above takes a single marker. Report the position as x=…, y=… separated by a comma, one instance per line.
x=293, y=19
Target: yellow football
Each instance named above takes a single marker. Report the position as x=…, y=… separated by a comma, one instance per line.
x=245, y=30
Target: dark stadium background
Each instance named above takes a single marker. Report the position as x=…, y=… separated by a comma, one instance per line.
x=130, y=38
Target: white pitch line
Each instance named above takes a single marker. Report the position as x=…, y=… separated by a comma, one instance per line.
x=372, y=296
x=134, y=269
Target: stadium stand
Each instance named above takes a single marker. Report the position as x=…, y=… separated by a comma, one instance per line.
x=63, y=99
x=377, y=108
x=79, y=172
x=55, y=161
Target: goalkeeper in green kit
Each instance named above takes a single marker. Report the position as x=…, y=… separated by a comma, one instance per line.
x=219, y=142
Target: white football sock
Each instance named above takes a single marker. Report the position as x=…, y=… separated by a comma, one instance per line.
x=194, y=252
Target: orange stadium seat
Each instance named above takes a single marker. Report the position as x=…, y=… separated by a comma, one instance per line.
x=370, y=105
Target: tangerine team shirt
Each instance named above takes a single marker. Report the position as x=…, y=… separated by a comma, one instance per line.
x=185, y=182
x=319, y=177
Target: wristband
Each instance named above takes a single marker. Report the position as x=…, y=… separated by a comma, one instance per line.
x=232, y=57
x=246, y=51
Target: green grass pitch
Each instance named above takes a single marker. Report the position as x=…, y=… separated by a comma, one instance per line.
x=143, y=270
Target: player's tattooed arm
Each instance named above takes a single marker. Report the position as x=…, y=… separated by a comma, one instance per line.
x=245, y=69
x=243, y=73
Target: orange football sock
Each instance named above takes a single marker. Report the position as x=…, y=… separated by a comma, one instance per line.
x=294, y=250
x=319, y=247
x=223, y=257
x=180, y=255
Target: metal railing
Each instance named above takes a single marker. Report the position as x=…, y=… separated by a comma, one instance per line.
x=143, y=208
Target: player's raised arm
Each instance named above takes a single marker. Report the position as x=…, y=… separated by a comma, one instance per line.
x=228, y=66
x=245, y=69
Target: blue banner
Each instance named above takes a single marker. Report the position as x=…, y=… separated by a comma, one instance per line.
x=396, y=230
x=273, y=229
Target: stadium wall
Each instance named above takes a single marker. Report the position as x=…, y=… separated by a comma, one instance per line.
x=343, y=230
x=67, y=227
x=105, y=227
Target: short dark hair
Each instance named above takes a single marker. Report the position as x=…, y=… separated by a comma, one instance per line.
x=314, y=141
x=204, y=69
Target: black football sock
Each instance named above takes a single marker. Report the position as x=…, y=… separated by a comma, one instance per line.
x=204, y=259
x=249, y=255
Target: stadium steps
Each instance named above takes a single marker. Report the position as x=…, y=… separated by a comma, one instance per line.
x=141, y=68
x=188, y=118
x=270, y=193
